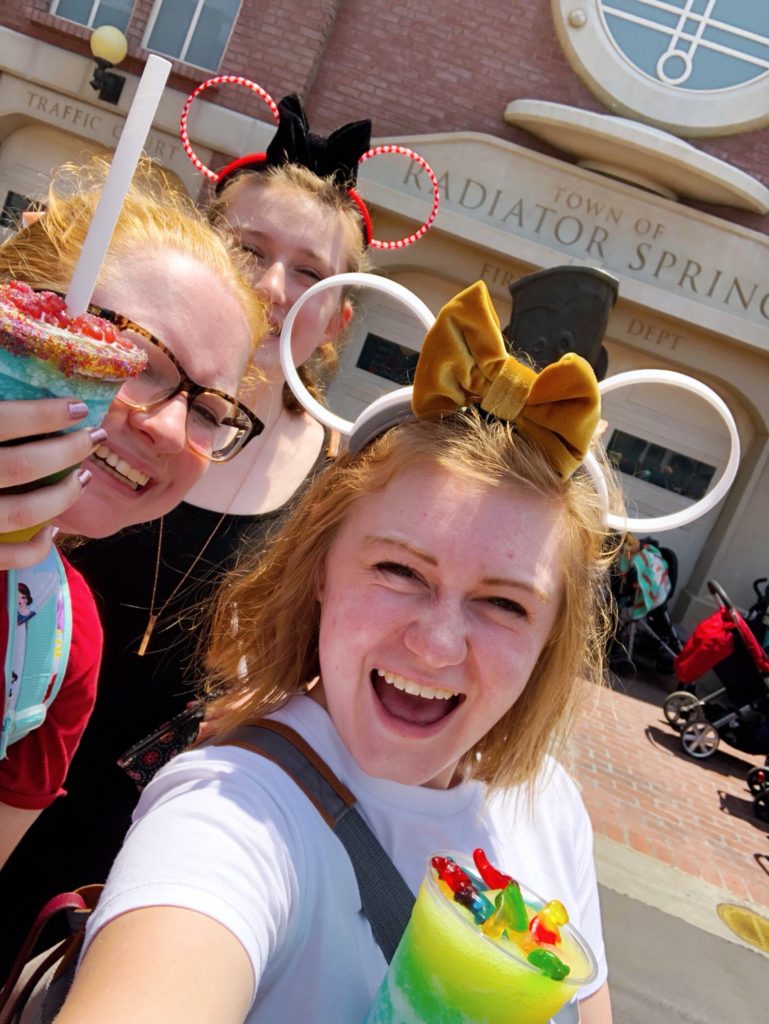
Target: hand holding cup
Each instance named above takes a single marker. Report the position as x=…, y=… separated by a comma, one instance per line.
x=40, y=474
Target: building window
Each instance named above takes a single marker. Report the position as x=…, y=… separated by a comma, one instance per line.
x=388, y=360
x=698, y=46
x=195, y=31
x=696, y=67
x=660, y=466
x=93, y=13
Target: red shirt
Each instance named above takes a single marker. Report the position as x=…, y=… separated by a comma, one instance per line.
x=32, y=775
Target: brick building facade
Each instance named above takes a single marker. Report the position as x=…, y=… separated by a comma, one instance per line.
x=690, y=250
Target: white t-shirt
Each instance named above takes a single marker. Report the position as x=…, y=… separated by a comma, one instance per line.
x=225, y=832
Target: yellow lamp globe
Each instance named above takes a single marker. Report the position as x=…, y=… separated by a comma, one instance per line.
x=109, y=44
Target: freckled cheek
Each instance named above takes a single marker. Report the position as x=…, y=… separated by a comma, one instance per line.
x=508, y=668
x=354, y=625
x=336, y=634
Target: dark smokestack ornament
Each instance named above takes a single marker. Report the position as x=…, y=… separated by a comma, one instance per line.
x=560, y=310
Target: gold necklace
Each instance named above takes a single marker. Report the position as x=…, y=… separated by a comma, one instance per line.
x=155, y=615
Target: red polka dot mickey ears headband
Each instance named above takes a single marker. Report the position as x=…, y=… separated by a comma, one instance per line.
x=337, y=156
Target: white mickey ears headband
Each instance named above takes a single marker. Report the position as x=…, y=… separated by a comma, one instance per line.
x=395, y=406
x=257, y=161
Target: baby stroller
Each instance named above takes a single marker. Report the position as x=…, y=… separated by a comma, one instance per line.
x=758, y=621
x=758, y=784
x=758, y=615
x=643, y=584
x=738, y=711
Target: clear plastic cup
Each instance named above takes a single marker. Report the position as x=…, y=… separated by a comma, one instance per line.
x=26, y=377
x=446, y=970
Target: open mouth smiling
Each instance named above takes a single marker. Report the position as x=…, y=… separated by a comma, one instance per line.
x=119, y=468
x=410, y=701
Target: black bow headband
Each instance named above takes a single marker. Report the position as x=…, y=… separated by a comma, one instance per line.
x=334, y=157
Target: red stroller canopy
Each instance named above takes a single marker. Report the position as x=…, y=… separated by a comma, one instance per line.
x=712, y=641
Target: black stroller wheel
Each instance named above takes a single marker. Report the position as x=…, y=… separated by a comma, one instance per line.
x=700, y=739
x=681, y=708
x=758, y=781
x=761, y=807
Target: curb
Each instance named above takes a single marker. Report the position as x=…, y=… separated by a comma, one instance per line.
x=667, y=889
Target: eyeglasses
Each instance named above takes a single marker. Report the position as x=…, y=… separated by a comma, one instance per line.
x=218, y=425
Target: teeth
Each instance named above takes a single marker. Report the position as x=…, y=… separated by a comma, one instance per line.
x=133, y=474
x=409, y=686
x=121, y=467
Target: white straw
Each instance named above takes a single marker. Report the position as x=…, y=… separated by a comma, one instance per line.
x=129, y=148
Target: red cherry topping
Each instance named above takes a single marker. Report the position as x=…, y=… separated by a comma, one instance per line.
x=19, y=288
x=90, y=326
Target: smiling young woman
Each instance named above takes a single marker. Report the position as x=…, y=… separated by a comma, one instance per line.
x=179, y=289
x=296, y=229
x=163, y=267
x=471, y=534
x=428, y=620
x=441, y=637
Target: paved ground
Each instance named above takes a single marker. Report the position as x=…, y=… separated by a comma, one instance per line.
x=666, y=971
x=675, y=839
x=645, y=794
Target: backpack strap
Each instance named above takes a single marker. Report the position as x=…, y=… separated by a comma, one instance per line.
x=385, y=898
x=37, y=646
x=78, y=905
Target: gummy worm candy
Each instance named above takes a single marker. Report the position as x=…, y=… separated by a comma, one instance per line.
x=544, y=926
x=451, y=873
x=492, y=878
x=551, y=965
x=544, y=935
x=510, y=912
x=478, y=905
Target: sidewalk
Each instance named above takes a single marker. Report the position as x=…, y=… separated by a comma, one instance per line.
x=663, y=970
x=676, y=833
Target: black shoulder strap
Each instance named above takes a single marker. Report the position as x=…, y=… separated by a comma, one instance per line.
x=384, y=896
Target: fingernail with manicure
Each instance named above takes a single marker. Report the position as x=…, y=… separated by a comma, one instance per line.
x=78, y=410
x=84, y=476
x=97, y=435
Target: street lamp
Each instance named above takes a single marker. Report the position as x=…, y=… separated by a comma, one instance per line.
x=109, y=46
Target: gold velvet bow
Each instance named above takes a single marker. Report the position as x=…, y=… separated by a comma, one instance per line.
x=464, y=362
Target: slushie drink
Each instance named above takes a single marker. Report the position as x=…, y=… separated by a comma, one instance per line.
x=475, y=953
x=46, y=354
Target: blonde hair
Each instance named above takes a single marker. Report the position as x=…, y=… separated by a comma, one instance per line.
x=293, y=180
x=154, y=213
x=264, y=638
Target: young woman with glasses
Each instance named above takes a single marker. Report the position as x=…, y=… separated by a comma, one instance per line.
x=178, y=289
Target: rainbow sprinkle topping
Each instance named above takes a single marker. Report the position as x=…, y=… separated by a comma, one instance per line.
x=37, y=324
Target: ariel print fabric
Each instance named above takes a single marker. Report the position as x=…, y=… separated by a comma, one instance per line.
x=36, y=629
x=651, y=583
